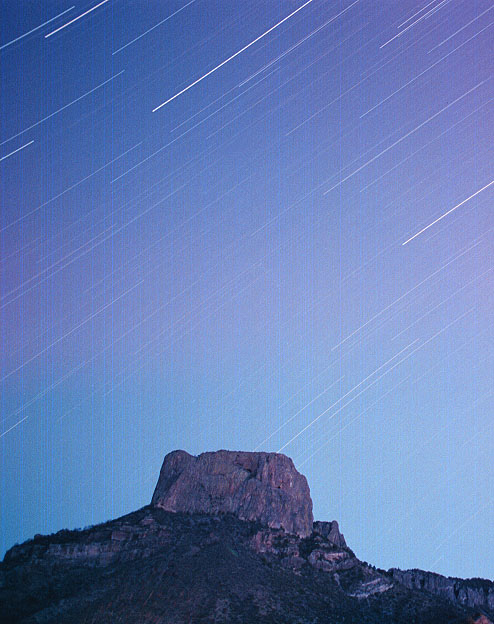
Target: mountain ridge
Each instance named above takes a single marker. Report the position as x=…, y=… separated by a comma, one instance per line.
x=164, y=566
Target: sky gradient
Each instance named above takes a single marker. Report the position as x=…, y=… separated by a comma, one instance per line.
x=293, y=252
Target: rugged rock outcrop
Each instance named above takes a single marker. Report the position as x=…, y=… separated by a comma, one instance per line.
x=264, y=487
x=331, y=532
x=228, y=538
x=475, y=593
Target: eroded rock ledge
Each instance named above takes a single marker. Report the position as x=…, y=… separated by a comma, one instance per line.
x=476, y=593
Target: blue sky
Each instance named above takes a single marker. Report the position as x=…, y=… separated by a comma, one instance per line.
x=293, y=254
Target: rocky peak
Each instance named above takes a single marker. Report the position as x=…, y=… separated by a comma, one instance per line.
x=264, y=487
x=331, y=532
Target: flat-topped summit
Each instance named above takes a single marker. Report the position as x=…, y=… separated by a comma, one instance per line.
x=264, y=487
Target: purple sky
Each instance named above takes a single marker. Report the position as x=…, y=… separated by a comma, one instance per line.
x=295, y=254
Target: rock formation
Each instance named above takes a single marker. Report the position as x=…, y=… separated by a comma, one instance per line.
x=264, y=487
x=331, y=532
x=471, y=592
x=229, y=537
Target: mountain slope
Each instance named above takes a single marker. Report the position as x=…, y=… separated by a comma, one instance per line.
x=156, y=566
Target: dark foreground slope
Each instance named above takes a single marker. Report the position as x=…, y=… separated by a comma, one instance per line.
x=155, y=566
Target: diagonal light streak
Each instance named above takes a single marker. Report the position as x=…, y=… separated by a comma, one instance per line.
x=345, y=395
x=233, y=56
x=75, y=19
x=449, y=212
x=155, y=26
x=15, y=151
x=61, y=109
x=6, y=45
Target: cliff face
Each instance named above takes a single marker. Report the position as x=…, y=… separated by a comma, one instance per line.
x=264, y=487
x=476, y=593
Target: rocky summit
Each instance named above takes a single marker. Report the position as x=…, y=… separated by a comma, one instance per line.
x=264, y=487
x=228, y=538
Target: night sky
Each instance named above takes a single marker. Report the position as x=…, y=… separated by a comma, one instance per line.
x=251, y=225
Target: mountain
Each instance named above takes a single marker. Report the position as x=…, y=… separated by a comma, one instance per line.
x=228, y=537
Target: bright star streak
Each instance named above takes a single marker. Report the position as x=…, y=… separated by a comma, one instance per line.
x=15, y=151
x=415, y=14
x=75, y=19
x=232, y=57
x=449, y=212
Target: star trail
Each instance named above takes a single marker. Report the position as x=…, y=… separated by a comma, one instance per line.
x=259, y=226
